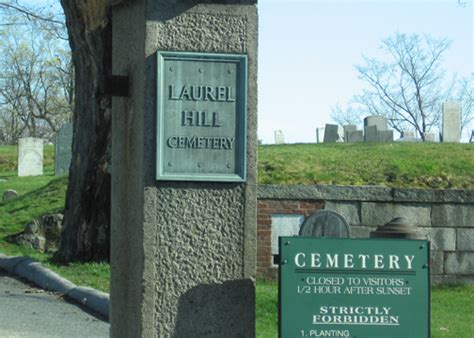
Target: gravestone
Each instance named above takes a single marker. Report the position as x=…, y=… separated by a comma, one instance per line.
x=376, y=120
x=183, y=214
x=319, y=135
x=279, y=137
x=355, y=136
x=30, y=156
x=62, y=150
x=451, y=122
x=331, y=133
x=409, y=136
x=385, y=135
x=325, y=223
x=9, y=195
x=371, y=134
x=430, y=137
x=347, y=129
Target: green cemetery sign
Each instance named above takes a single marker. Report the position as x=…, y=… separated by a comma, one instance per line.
x=364, y=288
x=201, y=116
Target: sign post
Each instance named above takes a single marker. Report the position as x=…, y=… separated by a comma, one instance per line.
x=332, y=287
x=184, y=157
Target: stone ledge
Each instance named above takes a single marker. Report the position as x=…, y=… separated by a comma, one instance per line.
x=364, y=193
x=433, y=195
x=324, y=192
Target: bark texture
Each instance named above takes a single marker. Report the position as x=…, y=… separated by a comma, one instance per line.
x=87, y=212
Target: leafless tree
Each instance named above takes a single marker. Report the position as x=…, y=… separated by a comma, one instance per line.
x=36, y=94
x=87, y=211
x=345, y=115
x=464, y=94
x=410, y=86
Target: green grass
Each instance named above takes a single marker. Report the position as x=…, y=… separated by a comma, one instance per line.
x=410, y=165
x=452, y=311
x=47, y=199
x=267, y=309
x=40, y=195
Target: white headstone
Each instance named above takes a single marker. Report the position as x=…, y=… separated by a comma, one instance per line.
x=320, y=135
x=408, y=134
x=30, y=156
x=279, y=137
x=430, y=137
x=451, y=122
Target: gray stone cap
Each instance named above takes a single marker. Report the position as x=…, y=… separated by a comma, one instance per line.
x=363, y=193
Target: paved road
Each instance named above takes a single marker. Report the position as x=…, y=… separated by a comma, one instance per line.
x=29, y=312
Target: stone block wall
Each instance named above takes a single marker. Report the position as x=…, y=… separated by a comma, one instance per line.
x=445, y=217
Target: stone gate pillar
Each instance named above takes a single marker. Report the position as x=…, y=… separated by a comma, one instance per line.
x=183, y=232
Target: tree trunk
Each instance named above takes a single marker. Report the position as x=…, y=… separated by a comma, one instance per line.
x=87, y=212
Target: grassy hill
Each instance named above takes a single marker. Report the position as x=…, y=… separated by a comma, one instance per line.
x=412, y=165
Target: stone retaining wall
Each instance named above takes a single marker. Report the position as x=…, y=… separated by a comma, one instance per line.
x=445, y=217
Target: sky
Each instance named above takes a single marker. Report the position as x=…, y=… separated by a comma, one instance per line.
x=308, y=49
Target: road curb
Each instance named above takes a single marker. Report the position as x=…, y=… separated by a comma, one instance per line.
x=33, y=271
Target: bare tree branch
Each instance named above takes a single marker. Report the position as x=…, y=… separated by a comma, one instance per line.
x=30, y=14
x=409, y=84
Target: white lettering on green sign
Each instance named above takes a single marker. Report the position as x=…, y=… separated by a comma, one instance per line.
x=350, y=261
x=202, y=93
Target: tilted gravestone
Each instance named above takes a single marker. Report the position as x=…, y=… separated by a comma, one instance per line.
x=331, y=133
x=30, y=156
x=319, y=135
x=325, y=223
x=451, y=122
x=183, y=245
x=62, y=150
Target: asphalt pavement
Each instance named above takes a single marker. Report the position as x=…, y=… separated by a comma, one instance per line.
x=29, y=312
